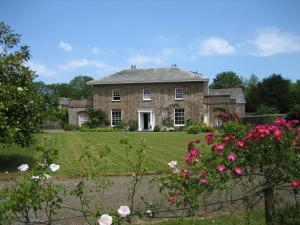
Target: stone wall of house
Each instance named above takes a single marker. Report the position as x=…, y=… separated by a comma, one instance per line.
x=73, y=114
x=77, y=106
x=163, y=97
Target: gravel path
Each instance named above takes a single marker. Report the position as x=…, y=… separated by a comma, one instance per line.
x=117, y=195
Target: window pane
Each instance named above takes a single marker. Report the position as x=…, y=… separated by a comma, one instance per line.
x=115, y=116
x=179, y=117
x=116, y=95
x=179, y=93
x=147, y=94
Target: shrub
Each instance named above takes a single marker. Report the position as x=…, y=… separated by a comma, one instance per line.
x=206, y=128
x=120, y=125
x=133, y=126
x=179, y=129
x=229, y=116
x=264, y=158
x=264, y=109
x=70, y=127
x=97, y=118
x=294, y=113
x=234, y=128
x=58, y=114
x=98, y=129
x=193, y=129
x=157, y=128
x=190, y=122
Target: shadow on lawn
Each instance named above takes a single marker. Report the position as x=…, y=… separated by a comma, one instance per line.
x=11, y=163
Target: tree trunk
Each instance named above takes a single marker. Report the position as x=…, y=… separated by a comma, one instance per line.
x=269, y=206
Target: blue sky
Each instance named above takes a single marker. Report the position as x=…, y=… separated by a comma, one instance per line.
x=98, y=38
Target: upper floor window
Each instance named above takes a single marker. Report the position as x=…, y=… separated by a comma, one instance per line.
x=115, y=117
x=146, y=94
x=116, y=95
x=178, y=93
x=179, y=119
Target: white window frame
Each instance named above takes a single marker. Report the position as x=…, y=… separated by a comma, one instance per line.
x=176, y=94
x=113, y=95
x=111, y=117
x=179, y=125
x=149, y=94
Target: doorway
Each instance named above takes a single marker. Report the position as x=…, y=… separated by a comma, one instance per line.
x=146, y=119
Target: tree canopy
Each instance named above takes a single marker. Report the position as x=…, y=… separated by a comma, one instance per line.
x=21, y=105
x=227, y=79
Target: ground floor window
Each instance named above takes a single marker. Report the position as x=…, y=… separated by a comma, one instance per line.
x=179, y=117
x=115, y=116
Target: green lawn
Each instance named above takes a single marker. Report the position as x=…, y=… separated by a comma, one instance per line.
x=256, y=218
x=161, y=148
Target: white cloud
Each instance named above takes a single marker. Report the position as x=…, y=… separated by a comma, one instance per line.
x=65, y=46
x=41, y=69
x=162, y=57
x=95, y=50
x=272, y=41
x=216, y=46
x=81, y=63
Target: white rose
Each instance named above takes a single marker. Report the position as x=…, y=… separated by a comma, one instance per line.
x=149, y=212
x=23, y=167
x=105, y=219
x=53, y=167
x=36, y=178
x=20, y=89
x=172, y=164
x=124, y=211
x=47, y=177
x=176, y=170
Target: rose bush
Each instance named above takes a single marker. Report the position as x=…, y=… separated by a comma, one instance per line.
x=263, y=159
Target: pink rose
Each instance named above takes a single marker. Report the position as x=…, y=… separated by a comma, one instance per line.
x=194, y=153
x=232, y=157
x=188, y=158
x=203, y=180
x=202, y=174
x=280, y=121
x=209, y=137
x=295, y=183
x=171, y=199
x=238, y=170
x=228, y=138
x=249, y=134
x=185, y=173
x=262, y=131
x=221, y=168
x=219, y=147
x=240, y=144
x=298, y=130
x=277, y=134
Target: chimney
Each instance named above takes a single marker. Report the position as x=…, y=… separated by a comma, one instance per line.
x=174, y=65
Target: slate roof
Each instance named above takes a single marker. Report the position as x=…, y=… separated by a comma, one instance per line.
x=235, y=93
x=152, y=75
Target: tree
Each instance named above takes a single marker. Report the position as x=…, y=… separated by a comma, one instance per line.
x=295, y=92
x=251, y=93
x=82, y=90
x=227, y=79
x=21, y=106
x=274, y=91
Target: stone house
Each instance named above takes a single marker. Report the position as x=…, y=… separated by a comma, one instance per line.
x=158, y=96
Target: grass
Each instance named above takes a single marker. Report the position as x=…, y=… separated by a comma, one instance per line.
x=256, y=218
x=161, y=148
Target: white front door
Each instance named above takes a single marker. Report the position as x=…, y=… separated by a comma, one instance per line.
x=82, y=119
x=146, y=119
